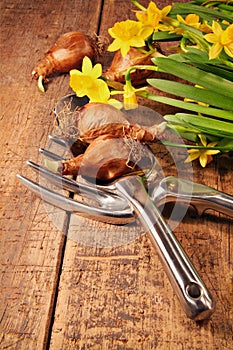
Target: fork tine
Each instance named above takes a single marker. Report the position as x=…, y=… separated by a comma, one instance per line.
x=50, y=155
x=70, y=205
x=58, y=140
x=67, y=184
x=103, y=197
x=55, y=178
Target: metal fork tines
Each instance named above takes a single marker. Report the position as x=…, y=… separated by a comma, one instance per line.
x=105, y=207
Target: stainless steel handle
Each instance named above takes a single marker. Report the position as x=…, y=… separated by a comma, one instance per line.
x=202, y=197
x=188, y=286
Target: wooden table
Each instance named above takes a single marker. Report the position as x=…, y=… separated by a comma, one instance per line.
x=56, y=291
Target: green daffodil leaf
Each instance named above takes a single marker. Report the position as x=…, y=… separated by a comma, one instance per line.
x=206, y=125
x=194, y=107
x=194, y=75
x=166, y=36
x=226, y=143
x=205, y=13
x=195, y=93
x=201, y=60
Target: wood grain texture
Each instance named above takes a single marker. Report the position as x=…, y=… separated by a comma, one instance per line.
x=92, y=290
x=31, y=245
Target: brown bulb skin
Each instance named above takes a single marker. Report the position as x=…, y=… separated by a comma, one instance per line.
x=67, y=53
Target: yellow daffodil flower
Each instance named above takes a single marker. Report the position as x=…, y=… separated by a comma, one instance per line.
x=130, y=98
x=153, y=16
x=129, y=93
x=221, y=39
x=126, y=34
x=191, y=20
x=88, y=83
x=205, y=156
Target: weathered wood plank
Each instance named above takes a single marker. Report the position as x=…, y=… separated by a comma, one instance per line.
x=31, y=246
x=117, y=296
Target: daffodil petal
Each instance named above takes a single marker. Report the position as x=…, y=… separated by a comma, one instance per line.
x=212, y=144
x=227, y=36
x=180, y=18
x=112, y=33
x=75, y=82
x=212, y=152
x=87, y=65
x=203, y=159
x=136, y=42
x=229, y=50
x=115, y=103
x=217, y=29
x=145, y=31
x=75, y=72
x=191, y=151
x=99, y=91
x=141, y=16
x=166, y=10
x=125, y=47
x=203, y=139
x=192, y=18
x=215, y=50
x=116, y=92
x=211, y=38
x=192, y=156
x=129, y=106
x=81, y=93
x=164, y=28
x=115, y=45
x=96, y=71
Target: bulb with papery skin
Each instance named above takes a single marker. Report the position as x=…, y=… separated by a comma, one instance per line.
x=67, y=53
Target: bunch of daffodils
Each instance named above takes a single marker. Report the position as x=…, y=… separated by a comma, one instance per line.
x=203, y=60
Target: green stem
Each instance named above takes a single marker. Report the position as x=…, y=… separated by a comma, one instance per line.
x=181, y=145
x=205, y=13
x=136, y=3
x=114, y=84
x=144, y=51
x=226, y=62
x=196, y=36
x=143, y=67
x=183, y=45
